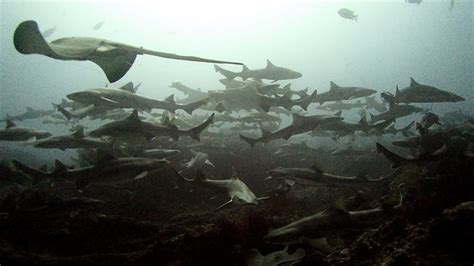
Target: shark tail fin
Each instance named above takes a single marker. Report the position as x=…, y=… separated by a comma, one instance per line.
x=195, y=132
x=308, y=100
x=227, y=73
x=250, y=141
x=65, y=112
x=190, y=107
x=392, y=157
x=36, y=175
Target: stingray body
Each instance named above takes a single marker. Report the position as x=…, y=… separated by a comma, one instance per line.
x=114, y=58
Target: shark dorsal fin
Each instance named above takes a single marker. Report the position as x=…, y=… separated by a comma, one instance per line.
x=397, y=91
x=363, y=121
x=135, y=89
x=29, y=109
x=170, y=99
x=245, y=68
x=333, y=86
x=413, y=82
x=317, y=168
x=128, y=87
x=79, y=133
x=134, y=117
x=338, y=113
x=286, y=96
x=269, y=64
x=10, y=123
x=59, y=167
x=287, y=86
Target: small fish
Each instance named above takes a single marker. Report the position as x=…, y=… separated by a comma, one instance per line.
x=347, y=13
x=98, y=25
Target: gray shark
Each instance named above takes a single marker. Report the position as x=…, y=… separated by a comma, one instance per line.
x=316, y=176
x=344, y=128
x=419, y=93
x=404, y=130
x=78, y=114
x=270, y=72
x=331, y=221
x=347, y=14
x=54, y=121
x=280, y=257
x=340, y=105
x=238, y=191
x=414, y=1
x=114, y=58
x=192, y=93
x=31, y=114
x=285, y=101
x=14, y=133
x=167, y=154
x=108, y=170
x=337, y=93
x=453, y=147
x=198, y=164
x=68, y=104
x=396, y=111
x=77, y=140
x=300, y=124
x=134, y=126
x=114, y=98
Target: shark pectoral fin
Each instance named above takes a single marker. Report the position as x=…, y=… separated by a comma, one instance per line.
x=108, y=100
x=262, y=198
x=141, y=175
x=224, y=204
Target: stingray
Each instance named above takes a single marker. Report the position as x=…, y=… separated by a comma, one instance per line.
x=114, y=58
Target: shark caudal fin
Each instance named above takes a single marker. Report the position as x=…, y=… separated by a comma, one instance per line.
x=227, y=73
x=392, y=157
x=308, y=100
x=190, y=107
x=36, y=175
x=195, y=132
x=249, y=141
x=65, y=112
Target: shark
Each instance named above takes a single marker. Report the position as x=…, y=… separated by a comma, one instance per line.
x=133, y=125
x=315, y=175
x=114, y=58
x=12, y=132
x=167, y=154
x=396, y=111
x=404, y=130
x=300, y=124
x=453, y=147
x=338, y=93
x=340, y=105
x=333, y=220
x=237, y=191
x=280, y=257
x=77, y=140
x=343, y=128
x=114, y=98
x=285, y=101
x=195, y=94
x=270, y=72
x=108, y=170
x=31, y=114
x=420, y=93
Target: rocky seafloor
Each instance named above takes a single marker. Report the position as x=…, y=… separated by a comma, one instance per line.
x=150, y=222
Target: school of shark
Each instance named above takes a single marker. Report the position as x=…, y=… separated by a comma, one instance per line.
x=257, y=172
